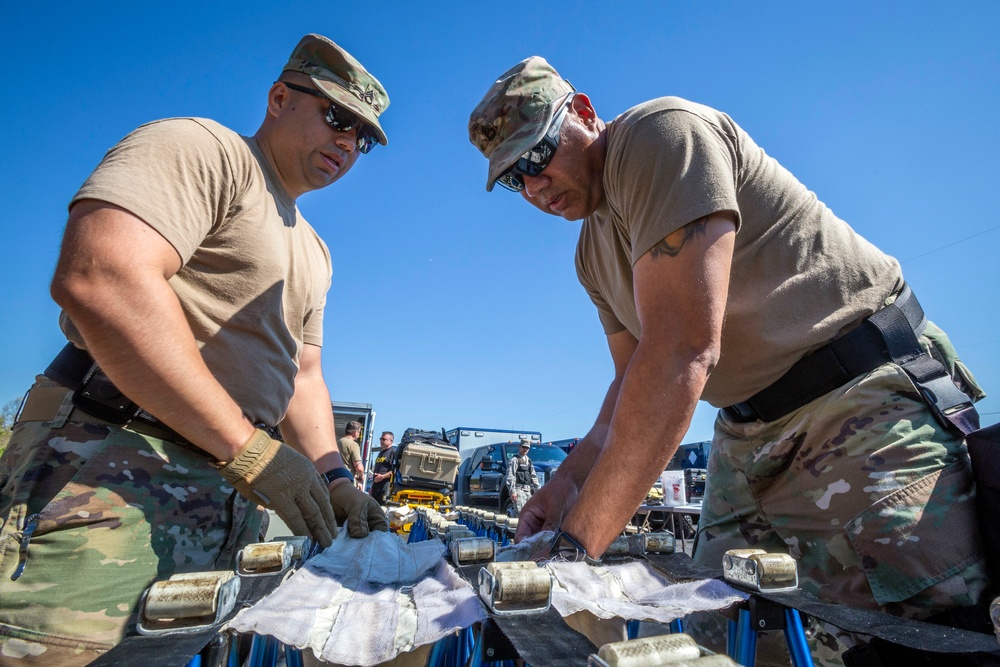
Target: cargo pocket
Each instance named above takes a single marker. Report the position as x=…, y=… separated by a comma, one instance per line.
x=918, y=535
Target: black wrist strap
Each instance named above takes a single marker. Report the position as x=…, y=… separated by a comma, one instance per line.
x=337, y=473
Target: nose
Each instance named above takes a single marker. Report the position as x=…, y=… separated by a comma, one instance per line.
x=533, y=185
x=347, y=140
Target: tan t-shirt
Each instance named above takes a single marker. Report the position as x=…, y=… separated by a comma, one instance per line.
x=350, y=451
x=255, y=274
x=800, y=275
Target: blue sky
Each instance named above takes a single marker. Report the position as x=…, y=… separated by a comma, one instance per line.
x=453, y=306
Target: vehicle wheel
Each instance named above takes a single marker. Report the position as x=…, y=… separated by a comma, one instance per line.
x=508, y=508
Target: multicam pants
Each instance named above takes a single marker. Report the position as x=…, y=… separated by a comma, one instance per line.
x=94, y=514
x=869, y=494
x=522, y=494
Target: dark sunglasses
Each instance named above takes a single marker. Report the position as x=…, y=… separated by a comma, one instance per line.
x=534, y=162
x=342, y=120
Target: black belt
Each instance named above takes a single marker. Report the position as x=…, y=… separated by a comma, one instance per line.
x=890, y=334
x=96, y=395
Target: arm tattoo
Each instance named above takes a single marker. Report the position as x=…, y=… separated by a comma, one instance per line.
x=672, y=244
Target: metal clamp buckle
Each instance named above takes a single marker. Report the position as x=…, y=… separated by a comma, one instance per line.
x=757, y=570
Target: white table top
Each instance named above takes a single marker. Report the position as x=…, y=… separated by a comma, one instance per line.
x=692, y=508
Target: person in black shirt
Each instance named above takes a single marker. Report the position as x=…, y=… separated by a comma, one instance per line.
x=382, y=470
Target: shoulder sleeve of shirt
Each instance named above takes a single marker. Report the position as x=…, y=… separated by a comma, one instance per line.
x=670, y=166
x=585, y=255
x=177, y=175
x=312, y=329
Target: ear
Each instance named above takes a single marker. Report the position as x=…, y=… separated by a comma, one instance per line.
x=278, y=98
x=583, y=108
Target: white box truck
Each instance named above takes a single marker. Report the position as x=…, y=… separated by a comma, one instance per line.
x=467, y=438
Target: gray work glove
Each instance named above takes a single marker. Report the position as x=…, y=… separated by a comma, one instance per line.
x=279, y=478
x=357, y=510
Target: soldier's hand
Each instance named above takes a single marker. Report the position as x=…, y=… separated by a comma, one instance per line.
x=279, y=478
x=547, y=508
x=358, y=511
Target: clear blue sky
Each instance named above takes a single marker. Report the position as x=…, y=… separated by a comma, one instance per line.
x=453, y=306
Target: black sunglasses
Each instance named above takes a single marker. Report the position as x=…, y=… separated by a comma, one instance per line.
x=342, y=120
x=534, y=162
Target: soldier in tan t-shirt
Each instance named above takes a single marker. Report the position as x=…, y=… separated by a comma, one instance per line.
x=350, y=451
x=715, y=274
x=190, y=276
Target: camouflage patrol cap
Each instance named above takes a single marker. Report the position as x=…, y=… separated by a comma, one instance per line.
x=515, y=113
x=341, y=78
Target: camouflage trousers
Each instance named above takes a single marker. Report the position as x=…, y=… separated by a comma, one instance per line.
x=91, y=515
x=869, y=494
x=522, y=494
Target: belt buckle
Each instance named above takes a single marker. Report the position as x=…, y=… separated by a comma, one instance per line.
x=741, y=412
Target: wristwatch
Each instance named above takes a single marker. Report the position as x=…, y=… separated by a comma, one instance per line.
x=337, y=473
x=565, y=546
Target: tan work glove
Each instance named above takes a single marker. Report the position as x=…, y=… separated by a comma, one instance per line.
x=357, y=510
x=279, y=478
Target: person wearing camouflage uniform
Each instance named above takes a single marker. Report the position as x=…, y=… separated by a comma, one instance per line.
x=521, y=478
x=714, y=272
x=191, y=278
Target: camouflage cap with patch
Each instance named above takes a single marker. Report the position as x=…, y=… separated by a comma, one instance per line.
x=515, y=113
x=341, y=78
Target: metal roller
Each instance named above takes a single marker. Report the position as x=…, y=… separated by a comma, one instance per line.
x=446, y=528
x=625, y=546
x=513, y=565
x=188, y=601
x=641, y=544
x=758, y=570
x=263, y=558
x=461, y=534
x=523, y=586
x=298, y=543
x=648, y=651
x=995, y=616
x=512, y=525
x=515, y=588
x=660, y=543
x=472, y=550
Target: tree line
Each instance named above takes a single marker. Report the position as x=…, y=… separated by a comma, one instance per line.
x=7, y=414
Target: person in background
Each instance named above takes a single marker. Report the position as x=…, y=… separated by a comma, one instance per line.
x=382, y=469
x=521, y=478
x=350, y=451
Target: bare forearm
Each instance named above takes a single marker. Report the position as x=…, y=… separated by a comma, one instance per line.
x=650, y=419
x=308, y=423
x=680, y=290
x=135, y=329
